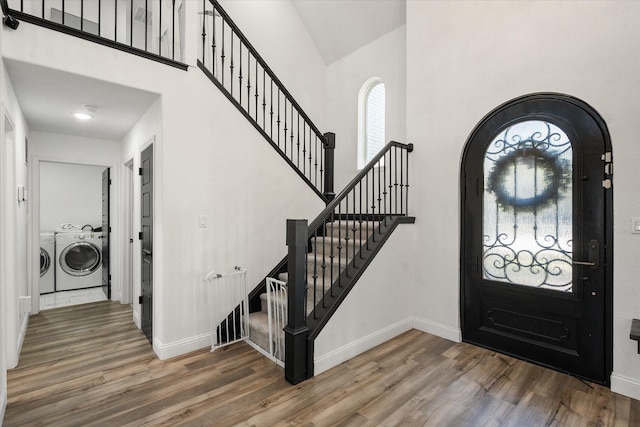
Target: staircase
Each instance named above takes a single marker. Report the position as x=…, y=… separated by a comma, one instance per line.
x=335, y=242
x=327, y=257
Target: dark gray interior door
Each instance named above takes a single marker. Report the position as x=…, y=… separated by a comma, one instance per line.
x=106, y=231
x=146, y=235
x=536, y=255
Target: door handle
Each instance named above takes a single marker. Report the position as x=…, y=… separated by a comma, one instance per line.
x=593, y=254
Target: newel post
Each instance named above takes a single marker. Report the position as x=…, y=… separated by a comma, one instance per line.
x=329, y=148
x=296, y=331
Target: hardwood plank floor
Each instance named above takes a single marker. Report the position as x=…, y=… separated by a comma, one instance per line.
x=89, y=365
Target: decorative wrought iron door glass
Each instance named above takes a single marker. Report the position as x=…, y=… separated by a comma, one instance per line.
x=528, y=207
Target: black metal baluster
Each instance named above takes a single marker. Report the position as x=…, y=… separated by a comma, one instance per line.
x=214, y=59
x=395, y=184
x=204, y=18
x=353, y=217
x=375, y=195
x=271, y=112
x=304, y=147
x=173, y=30
x=332, y=255
x=366, y=203
x=380, y=173
x=360, y=215
x=315, y=271
x=346, y=236
x=249, y=85
x=115, y=23
x=323, y=265
x=222, y=55
x=285, y=125
x=63, y=7
x=384, y=185
x=81, y=15
x=257, y=96
x=240, y=75
x=146, y=23
x=315, y=167
x=292, y=134
x=278, y=120
x=339, y=242
x=99, y=17
x=298, y=143
x=43, y=2
x=231, y=66
x=402, y=181
x=407, y=184
x=130, y=24
x=204, y=29
x=264, y=100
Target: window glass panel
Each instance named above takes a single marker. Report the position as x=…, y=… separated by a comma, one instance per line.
x=527, y=207
x=374, y=128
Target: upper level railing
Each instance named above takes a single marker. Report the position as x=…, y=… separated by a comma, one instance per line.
x=152, y=29
x=234, y=65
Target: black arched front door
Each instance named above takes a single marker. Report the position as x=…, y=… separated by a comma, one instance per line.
x=536, y=253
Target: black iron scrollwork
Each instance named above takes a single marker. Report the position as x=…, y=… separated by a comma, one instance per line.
x=528, y=172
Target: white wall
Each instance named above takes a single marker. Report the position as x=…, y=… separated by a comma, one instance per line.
x=70, y=193
x=14, y=226
x=463, y=60
x=384, y=58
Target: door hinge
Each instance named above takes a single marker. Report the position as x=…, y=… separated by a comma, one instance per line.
x=140, y=235
x=109, y=277
x=140, y=171
x=608, y=163
x=606, y=184
x=109, y=181
x=140, y=299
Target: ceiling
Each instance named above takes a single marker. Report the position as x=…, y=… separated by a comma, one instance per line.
x=48, y=98
x=339, y=27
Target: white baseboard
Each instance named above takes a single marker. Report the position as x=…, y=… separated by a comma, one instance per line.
x=327, y=361
x=167, y=351
x=23, y=331
x=136, y=319
x=626, y=386
x=3, y=405
x=437, y=329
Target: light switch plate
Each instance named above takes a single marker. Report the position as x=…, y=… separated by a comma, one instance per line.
x=202, y=221
x=635, y=225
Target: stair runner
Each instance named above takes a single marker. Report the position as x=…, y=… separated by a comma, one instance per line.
x=336, y=236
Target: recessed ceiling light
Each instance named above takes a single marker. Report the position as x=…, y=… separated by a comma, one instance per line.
x=82, y=116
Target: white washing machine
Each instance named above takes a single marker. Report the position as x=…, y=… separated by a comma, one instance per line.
x=47, y=263
x=78, y=260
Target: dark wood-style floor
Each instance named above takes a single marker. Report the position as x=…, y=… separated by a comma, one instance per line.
x=89, y=365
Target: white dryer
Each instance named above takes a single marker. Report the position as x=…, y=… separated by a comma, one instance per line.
x=79, y=260
x=47, y=263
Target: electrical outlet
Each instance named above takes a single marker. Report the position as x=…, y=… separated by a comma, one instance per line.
x=635, y=225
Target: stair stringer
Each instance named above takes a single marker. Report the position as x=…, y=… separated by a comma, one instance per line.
x=324, y=310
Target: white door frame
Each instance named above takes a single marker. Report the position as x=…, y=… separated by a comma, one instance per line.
x=34, y=226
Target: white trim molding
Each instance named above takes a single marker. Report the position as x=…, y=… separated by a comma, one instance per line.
x=626, y=386
x=334, y=358
x=178, y=348
x=437, y=329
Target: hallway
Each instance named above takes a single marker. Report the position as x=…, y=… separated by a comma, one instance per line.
x=89, y=365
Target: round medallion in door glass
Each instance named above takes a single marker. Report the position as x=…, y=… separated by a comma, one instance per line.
x=80, y=259
x=527, y=218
